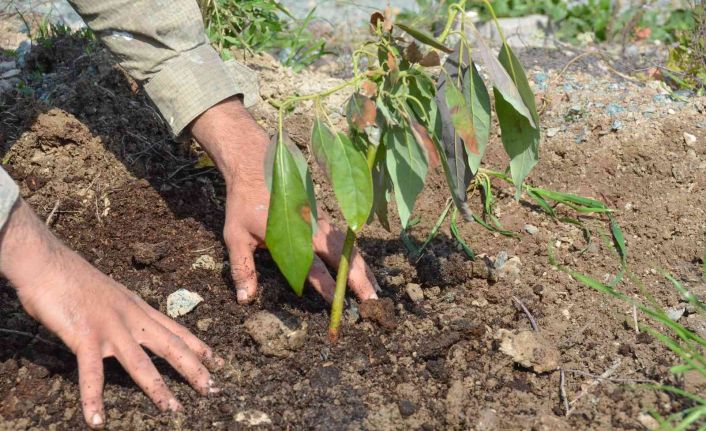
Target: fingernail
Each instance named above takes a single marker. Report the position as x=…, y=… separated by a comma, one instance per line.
x=376, y=286
x=373, y=296
x=173, y=405
x=97, y=420
x=242, y=296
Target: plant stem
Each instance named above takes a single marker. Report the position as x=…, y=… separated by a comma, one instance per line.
x=341, y=282
x=344, y=265
x=454, y=10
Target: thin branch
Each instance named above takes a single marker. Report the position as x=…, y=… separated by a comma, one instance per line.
x=50, y=217
x=562, y=391
x=595, y=382
x=533, y=322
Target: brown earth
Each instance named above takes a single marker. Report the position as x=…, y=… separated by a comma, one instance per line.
x=89, y=144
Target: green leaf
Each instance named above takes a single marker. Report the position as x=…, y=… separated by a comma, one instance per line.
x=520, y=133
x=303, y=169
x=348, y=171
x=512, y=65
x=479, y=101
x=504, y=82
x=289, y=232
x=424, y=38
x=520, y=139
x=619, y=240
x=407, y=166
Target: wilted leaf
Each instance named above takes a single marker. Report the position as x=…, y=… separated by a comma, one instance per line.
x=392, y=63
x=412, y=53
x=479, y=101
x=426, y=143
x=407, y=166
x=431, y=59
x=381, y=189
x=368, y=88
x=348, y=171
x=288, y=235
x=522, y=140
x=503, y=82
x=204, y=161
x=424, y=38
x=360, y=112
x=377, y=18
x=458, y=174
x=461, y=116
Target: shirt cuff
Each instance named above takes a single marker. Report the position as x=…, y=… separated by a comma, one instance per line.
x=194, y=81
x=9, y=192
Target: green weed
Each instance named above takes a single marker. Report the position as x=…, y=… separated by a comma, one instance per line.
x=262, y=25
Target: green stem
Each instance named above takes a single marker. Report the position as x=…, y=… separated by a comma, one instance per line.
x=454, y=10
x=343, y=267
x=341, y=282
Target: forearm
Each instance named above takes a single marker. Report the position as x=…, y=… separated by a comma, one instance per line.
x=231, y=135
x=164, y=46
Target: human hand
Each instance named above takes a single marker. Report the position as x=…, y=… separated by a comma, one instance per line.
x=237, y=145
x=97, y=317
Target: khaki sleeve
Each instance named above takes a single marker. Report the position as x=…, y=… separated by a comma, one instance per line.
x=9, y=192
x=163, y=45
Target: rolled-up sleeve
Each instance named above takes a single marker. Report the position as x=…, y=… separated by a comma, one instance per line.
x=162, y=44
x=8, y=196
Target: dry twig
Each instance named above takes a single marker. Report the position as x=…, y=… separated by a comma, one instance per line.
x=533, y=322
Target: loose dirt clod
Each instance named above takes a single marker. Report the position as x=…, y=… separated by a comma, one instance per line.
x=380, y=311
x=275, y=336
x=415, y=292
x=529, y=349
x=146, y=254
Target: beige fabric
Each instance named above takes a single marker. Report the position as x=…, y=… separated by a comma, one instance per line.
x=8, y=195
x=163, y=45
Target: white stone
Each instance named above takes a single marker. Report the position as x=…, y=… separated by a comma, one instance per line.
x=689, y=139
x=182, y=302
x=253, y=418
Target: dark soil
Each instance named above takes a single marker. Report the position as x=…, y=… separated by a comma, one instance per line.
x=88, y=139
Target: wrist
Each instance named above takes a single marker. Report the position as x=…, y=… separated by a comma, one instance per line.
x=226, y=131
x=28, y=250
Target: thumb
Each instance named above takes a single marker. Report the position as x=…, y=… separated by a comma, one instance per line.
x=242, y=269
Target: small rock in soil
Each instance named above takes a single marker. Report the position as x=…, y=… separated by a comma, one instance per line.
x=208, y=263
x=487, y=420
x=511, y=269
x=407, y=408
x=531, y=229
x=204, y=324
x=439, y=345
x=675, y=313
x=697, y=323
x=415, y=292
x=689, y=139
x=648, y=421
x=181, y=302
x=380, y=311
x=529, y=349
x=146, y=254
x=274, y=336
x=252, y=418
